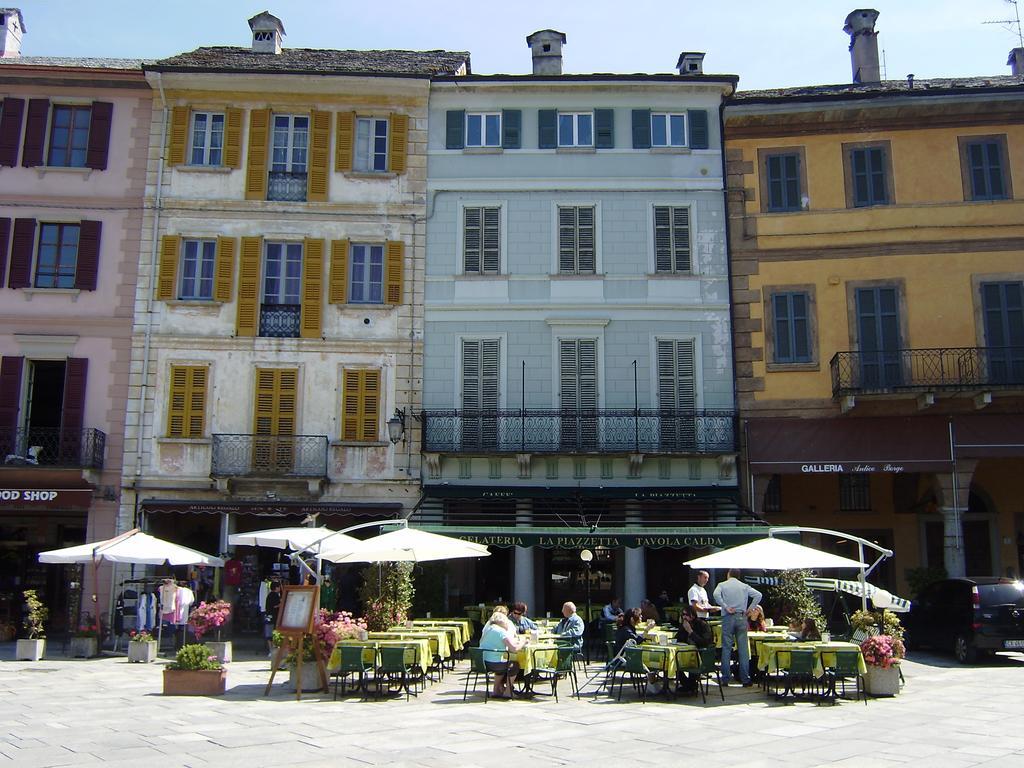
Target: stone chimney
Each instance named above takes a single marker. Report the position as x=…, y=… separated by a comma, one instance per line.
x=1016, y=61
x=860, y=26
x=267, y=31
x=546, y=46
x=690, y=63
x=12, y=27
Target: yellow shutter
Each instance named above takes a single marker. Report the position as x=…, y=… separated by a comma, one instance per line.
x=399, y=125
x=287, y=400
x=393, y=272
x=224, y=269
x=196, y=417
x=167, y=277
x=256, y=172
x=370, y=413
x=360, y=405
x=176, y=404
x=350, y=401
x=233, y=118
x=276, y=401
x=179, y=135
x=345, y=143
x=319, y=157
x=186, y=413
x=248, y=286
x=312, y=289
x=339, y=272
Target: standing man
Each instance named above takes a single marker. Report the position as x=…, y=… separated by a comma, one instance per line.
x=697, y=597
x=571, y=626
x=733, y=596
x=270, y=615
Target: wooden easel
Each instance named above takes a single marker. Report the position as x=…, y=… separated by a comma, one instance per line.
x=295, y=623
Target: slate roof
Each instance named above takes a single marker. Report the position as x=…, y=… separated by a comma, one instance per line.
x=315, y=61
x=71, y=61
x=929, y=87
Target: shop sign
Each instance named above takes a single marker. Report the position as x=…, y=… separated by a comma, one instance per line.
x=573, y=540
x=851, y=468
x=44, y=498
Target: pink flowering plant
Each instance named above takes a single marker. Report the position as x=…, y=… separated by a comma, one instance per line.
x=142, y=636
x=90, y=627
x=209, y=617
x=883, y=650
x=329, y=628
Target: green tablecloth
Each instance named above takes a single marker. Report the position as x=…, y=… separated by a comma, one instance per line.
x=438, y=639
x=418, y=651
x=775, y=657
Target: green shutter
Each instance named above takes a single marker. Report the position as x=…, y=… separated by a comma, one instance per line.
x=547, y=128
x=697, y=120
x=453, y=135
x=604, y=128
x=511, y=128
x=641, y=129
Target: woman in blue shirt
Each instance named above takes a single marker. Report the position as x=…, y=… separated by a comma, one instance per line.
x=498, y=637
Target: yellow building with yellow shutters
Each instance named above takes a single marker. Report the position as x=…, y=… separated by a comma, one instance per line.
x=877, y=262
x=279, y=316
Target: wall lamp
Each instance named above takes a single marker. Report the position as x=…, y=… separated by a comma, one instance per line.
x=396, y=426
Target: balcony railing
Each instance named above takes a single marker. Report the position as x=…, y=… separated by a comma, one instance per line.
x=921, y=370
x=50, y=447
x=287, y=186
x=269, y=456
x=280, y=321
x=592, y=431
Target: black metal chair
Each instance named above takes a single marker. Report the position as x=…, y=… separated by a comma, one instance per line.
x=353, y=664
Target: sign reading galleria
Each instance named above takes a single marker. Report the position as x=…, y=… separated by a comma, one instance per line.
x=850, y=468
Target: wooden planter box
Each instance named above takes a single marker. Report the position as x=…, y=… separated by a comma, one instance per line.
x=30, y=650
x=84, y=647
x=143, y=653
x=195, y=682
x=880, y=681
x=222, y=650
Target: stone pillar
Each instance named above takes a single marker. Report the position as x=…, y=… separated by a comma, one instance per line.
x=956, y=488
x=635, y=562
x=523, y=585
x=761, y=483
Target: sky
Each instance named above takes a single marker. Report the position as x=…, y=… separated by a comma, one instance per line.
x=801, y=43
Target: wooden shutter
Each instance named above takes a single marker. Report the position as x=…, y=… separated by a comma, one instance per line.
x=338, y=286
x=276, y=401
x=23, y=242
x=586, y=247
x=578, y=390
x=100, y=119
x=319, y=157
x=454, y=133
x=256, y=172
x=233, y=118
x=677, y=394
x=472, y=239
x=310, y=326
x=681, y=239
x=481, y=240
x=247, y=318
x=641, y=129
x=186, y=412
x=577, y=251
x=393, y=262
x=398, y=147
x=568, y=373
x=72, y=417
x=672, y=239
x=10, y=398
x=224, y=269
x=178, y=139
x=167, y=276
x=604, y=128
x=511, y=128
x=10, y=133
x=547, y=128
x=87, y=268
x=481, y=369
x=5, y=237
x=35, y=132
x=697, y=121
x=344, y=145
x=360, y=407
x=566, y=239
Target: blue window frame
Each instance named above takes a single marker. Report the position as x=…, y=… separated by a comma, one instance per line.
x=58, y=255
x=69, y=136
x=197, y=261
x=366, y=283
x=282, y=274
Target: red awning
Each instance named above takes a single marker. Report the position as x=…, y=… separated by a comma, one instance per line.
x=989, y=435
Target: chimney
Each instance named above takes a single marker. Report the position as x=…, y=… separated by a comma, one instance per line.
x=267, y=31
x=860, y=26
x=1016, y=61
x=12, y=27
x=546, y=46
x=690, y=63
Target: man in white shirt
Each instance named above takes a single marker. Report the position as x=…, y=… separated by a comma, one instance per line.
x=736, y=598
x=698, y=596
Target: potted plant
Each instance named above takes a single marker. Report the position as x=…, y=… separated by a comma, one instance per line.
x=33, y=645
x=85, y=642
x=882, y=654
x=142, y=647
x=195, y=672
x=329, y=628
x=867, y=622
x=209, y=617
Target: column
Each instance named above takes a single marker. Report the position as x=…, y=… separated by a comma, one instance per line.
x=522, y=561
x=956, y=488
x=635, y=562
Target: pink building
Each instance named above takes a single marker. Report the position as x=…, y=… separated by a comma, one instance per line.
x=73, y=144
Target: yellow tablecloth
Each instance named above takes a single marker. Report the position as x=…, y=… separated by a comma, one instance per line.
x=671, y=656
x=453, y=632
x=775, y=657
x=419, y=651
x=463, y=626
x=716, y=629
x=438, y=639
x=540, y=655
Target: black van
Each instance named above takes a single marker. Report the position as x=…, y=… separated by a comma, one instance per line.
x=970, y=616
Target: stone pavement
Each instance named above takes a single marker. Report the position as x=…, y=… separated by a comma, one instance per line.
x=107, y=711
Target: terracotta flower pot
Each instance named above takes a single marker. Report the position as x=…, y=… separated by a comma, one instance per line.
x=30, y=650
x=142, y=652
x=195, y=682
x=882, y=681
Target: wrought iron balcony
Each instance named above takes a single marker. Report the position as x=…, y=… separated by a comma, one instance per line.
x=50, y=447
x=287, y=186
x=280, y=321
x=269, y=456
x=602, y=430
x=927, y=370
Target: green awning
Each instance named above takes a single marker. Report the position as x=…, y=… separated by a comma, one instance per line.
x=584, y=538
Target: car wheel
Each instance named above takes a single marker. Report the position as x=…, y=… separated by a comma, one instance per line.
x=964, y=650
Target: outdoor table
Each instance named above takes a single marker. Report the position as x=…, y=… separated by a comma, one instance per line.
x=464, y=627
x=454, y=633
x=547, y=656
x=418, y=651
x=716, y=629
x=438, y=640
x=658, y=636
x=775, y=657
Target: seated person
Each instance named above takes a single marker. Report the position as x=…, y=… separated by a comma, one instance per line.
x=694, y=630
x=499, y=636
x=611, y=612
x=626, y=629
x=521, y=623
x=755, y=619
x=795, y=630
x=809, y=630
x=649, y=611
x=497, y=609
x=571, y=626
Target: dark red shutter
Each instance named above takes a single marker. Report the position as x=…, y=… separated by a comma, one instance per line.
x=21, y=253
x=99, y=135
x=35, y=132
x=73, y=412
x=10, y=400
x=88, y=255
x=5, y=239
x=10, y=131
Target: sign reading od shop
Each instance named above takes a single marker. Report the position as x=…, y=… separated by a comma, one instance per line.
x=45, y=498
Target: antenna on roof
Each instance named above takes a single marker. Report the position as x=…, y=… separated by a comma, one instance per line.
x=884, y=77
x=1011, y=25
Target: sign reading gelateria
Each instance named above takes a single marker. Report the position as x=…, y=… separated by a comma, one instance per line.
x=45, y=498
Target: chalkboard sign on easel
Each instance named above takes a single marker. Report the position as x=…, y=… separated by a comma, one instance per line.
x=295, y=623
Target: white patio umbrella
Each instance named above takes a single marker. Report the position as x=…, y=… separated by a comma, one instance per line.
x=404, y=545
x=131, y=547
x=773, y=554
x=293, y=538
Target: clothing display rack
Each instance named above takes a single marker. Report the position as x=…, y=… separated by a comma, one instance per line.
x=127, y=606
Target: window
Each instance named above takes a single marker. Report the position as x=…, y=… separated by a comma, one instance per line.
x=371, y=144
x=668, y=129
x=58, y=255
x=1003, y=308
x=855, y=493
x=481, y=392
x=291, y=141
x=577, y=253
x=207, y=138
x=575, y=129
x=773, y=495
x=481, y=240
x=672, y=239
x=186, y=412
x=483, y=129
x=783, y=182
x=578, y=393
x=360, y=405
x=282, y=275
x=69, y=136
x=868, y=174
x=197, y=265
x=367, y=274
x=677, y=393
x=792, y=340
x=984, y=168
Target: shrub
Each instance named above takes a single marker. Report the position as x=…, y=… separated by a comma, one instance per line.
x=867, y=621
x=792, y=600
x=196, y=656
x=387, y=593
x=34, y=616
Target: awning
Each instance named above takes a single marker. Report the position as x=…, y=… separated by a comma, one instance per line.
x=990, y=435
x=849, y=445
x=899, y=604
x=271, y=508
x=583, y=538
